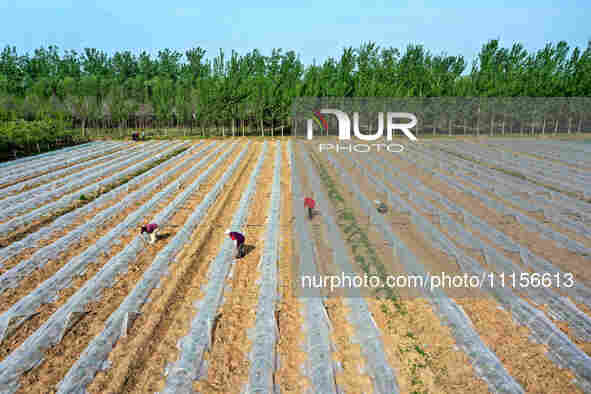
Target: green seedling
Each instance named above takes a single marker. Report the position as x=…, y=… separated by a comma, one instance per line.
x=420, y=351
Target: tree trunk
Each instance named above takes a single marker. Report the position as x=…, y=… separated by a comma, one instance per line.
x=544, y=126
x=556, y=127
x=569, y=124
x=478, y=121
x=580, y=125
x=233, y=128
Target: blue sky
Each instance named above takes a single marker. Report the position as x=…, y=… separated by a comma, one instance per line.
x=314, y=29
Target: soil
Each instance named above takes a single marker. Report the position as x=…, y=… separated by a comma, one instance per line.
x=167, y=316
x=418, y=344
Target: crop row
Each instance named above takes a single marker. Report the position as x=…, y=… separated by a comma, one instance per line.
x=47, y=155
x=34, y=240
x=180, y=375
x=263, y=356
x=64, y=174
x=11, y=278
x=561, y=180
x=561, y=210
x=33, y=198
x=68, y=199
x=486, y=363
x=429, y=165
x=16, y=173
x=96, y=353
x=51, y=332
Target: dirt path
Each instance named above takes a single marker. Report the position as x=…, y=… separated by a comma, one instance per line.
x=140, y=359
x=61, y=357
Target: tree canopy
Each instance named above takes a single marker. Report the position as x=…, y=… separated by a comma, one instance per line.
x=187, y=89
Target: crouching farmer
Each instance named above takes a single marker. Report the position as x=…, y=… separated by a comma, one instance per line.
x=238, y=241
x=309, y=204
x=381, y=207
x=150, y=229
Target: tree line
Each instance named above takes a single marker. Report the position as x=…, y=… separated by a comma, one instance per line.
x=253, y=94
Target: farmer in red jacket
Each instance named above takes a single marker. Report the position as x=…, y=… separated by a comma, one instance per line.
x=151, y=229
x=239, y=242
x=310, y=204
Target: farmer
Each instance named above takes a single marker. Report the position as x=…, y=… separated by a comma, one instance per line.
x=135, y=136
x=381, y=207
x=151, y=229
x=310, y=204
x=239, y=242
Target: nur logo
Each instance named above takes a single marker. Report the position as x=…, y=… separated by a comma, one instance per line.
x=344, y=124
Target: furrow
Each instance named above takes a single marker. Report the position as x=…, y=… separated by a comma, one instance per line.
x=30, y=353
x=65, y=201
x=117, y=327
x=180, y=375
x=485, y=362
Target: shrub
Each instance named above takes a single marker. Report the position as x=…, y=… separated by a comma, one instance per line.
x=22, y=138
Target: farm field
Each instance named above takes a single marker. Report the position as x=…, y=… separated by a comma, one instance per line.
x=86, y=305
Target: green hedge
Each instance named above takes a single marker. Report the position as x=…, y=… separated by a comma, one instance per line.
x=23, y=138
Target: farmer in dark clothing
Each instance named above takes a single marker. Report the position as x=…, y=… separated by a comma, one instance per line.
x=310, y=204
x=151, y=229
x=239, y=241
x=135, y=136
x=381, y=207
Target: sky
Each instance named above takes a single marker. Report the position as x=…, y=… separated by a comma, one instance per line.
x=313, y=29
